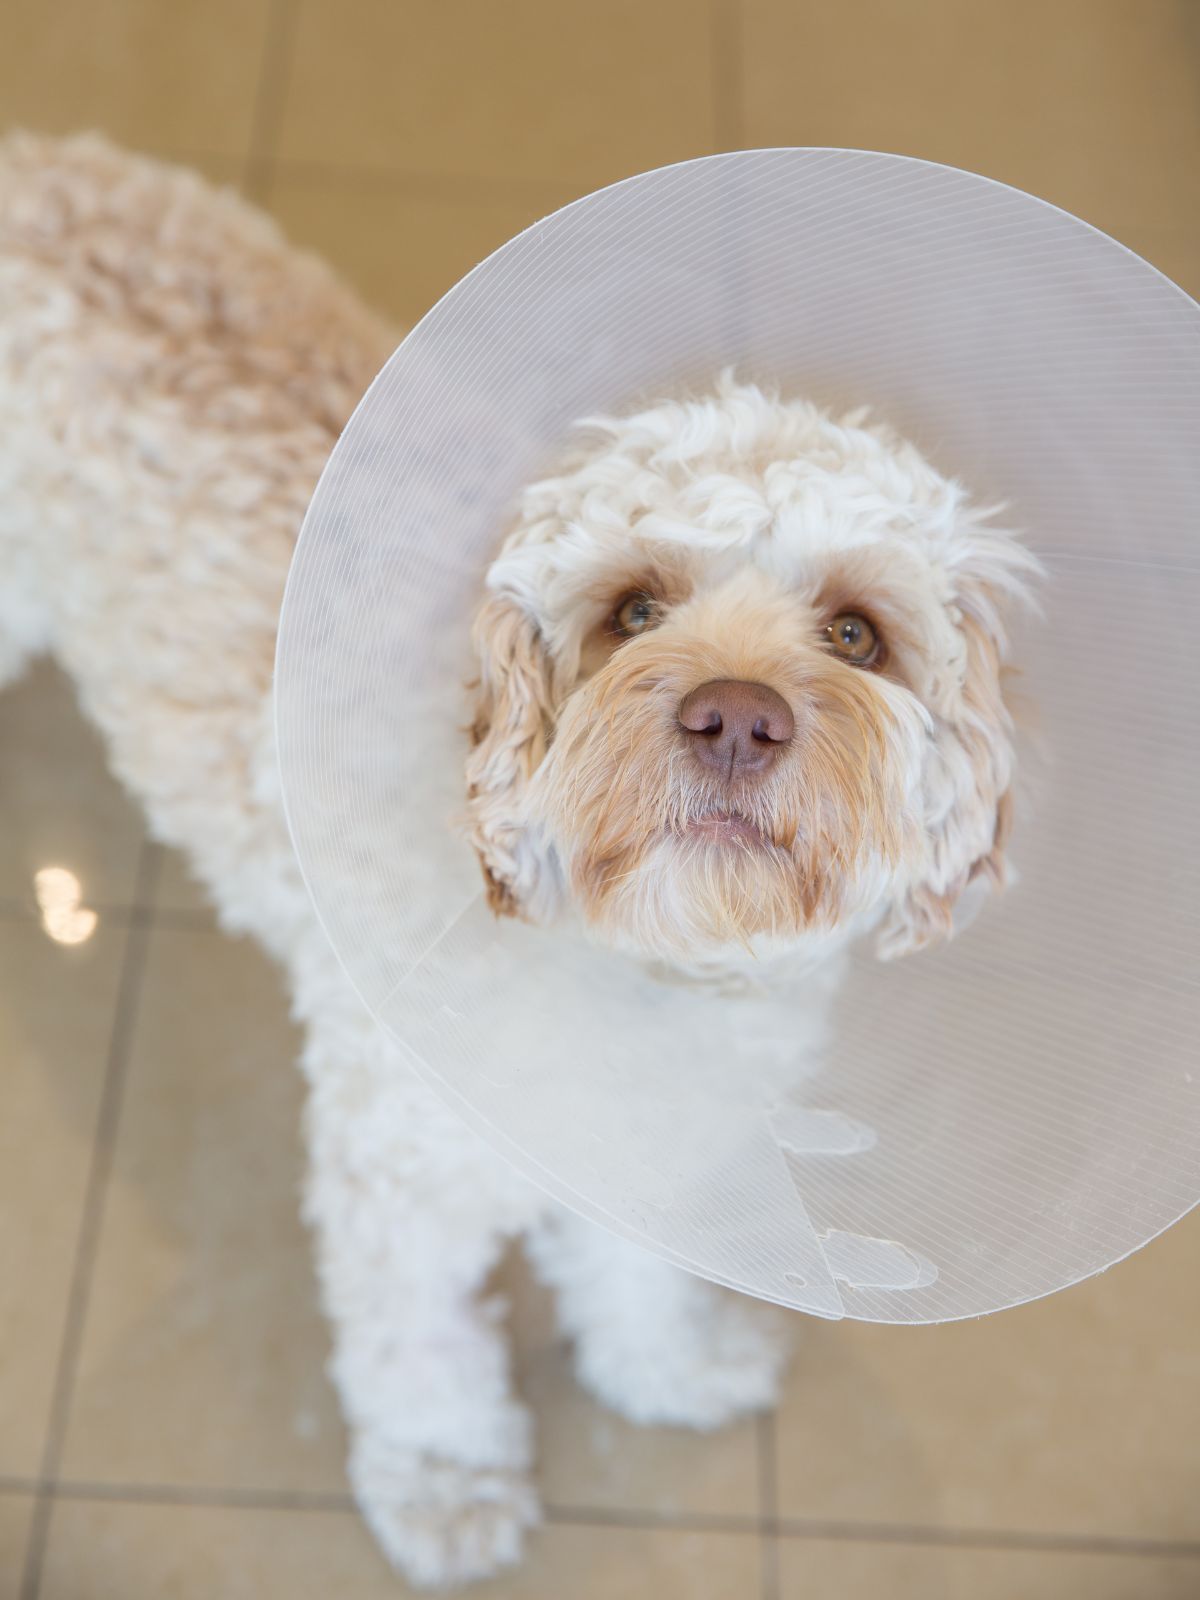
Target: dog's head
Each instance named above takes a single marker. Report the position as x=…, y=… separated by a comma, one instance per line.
x=740, y=685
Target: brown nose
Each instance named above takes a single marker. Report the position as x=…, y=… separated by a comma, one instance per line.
x=736, y=728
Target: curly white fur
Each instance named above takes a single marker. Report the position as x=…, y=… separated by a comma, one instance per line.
x=172, y=380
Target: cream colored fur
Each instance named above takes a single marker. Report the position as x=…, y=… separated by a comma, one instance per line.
x=172, y=379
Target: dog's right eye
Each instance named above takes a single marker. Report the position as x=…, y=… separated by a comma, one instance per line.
x=635, y=614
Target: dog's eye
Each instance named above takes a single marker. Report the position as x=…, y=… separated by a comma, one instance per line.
x=854, y=639
x=635, y=614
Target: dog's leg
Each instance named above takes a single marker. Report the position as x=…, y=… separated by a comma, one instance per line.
x=656, y=1343
x=410, y=1212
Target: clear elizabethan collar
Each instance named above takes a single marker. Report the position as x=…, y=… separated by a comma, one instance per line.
x=986, y=1122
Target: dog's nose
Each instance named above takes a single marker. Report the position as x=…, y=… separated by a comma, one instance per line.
x=734, y=727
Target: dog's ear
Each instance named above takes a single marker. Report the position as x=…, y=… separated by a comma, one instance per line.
x=513, y=719
x=968, y=789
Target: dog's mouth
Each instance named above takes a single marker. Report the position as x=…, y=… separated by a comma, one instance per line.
x=726, y=827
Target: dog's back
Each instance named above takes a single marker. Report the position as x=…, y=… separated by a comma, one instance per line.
x=172, y=379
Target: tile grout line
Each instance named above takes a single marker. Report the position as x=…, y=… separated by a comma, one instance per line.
x=668, y=1521
x=1097, y=1544
x=223, y=1499
x=167, y=918
x=269, y=99
x=91, y=1220
x=725, y=35
x=467, y=187
x=768, y=1504
x=598, y=1516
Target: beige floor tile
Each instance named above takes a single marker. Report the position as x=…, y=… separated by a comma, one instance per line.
x=203, y=1354
x=112, y=1551
x=15, y=1512
x=527, y=89
x=58, y=804
x=822, y=1569
x=400, y=247
x=588, y=1456
x=169, y=78
x=1094, y=104
x=56, y=1014
x=1076, y=1414
x=141, y=1552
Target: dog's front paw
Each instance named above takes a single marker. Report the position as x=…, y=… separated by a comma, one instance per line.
x=441, y=1522
x=723, y=1361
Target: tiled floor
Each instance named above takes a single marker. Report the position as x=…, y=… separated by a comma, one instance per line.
x=165, y=1427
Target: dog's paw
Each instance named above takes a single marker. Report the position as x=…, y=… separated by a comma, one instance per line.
x=441, y=1522
x=697, y=1372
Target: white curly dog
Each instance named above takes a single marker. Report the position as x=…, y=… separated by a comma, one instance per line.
x=740, y=692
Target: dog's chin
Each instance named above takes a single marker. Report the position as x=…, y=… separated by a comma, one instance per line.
x=715, y=888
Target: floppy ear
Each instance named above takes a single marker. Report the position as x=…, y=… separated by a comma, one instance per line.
x=968, y=786
x=510, y=733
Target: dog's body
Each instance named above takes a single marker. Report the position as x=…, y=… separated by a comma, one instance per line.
x=172, y=380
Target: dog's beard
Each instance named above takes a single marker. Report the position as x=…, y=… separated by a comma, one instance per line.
x=668, y=861
x=681, y=898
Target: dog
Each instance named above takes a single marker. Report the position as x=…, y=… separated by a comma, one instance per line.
x=740, y=700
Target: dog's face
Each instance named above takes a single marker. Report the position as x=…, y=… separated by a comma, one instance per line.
x=740, y=686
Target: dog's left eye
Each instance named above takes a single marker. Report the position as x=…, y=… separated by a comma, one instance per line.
x=854, y=639
x=635, y=614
